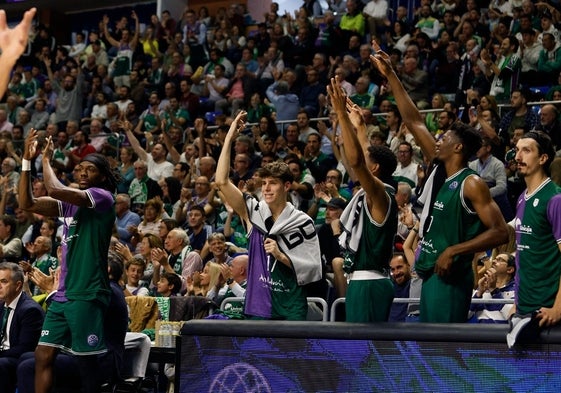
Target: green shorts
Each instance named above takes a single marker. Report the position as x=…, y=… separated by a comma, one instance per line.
x=75, y=326
x=369, y=300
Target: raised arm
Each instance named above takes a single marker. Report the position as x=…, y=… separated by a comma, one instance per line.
x=135, y=144
x=234, y=196
x=12, y=43
x=378, y=201
x=47, y=206
x=110, y=39
x=134, y=40
x=409, y=112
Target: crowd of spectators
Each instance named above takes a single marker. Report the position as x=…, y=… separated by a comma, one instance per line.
x=158, y=96
x=159, y=100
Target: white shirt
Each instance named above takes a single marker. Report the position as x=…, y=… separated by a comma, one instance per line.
x=12, y=305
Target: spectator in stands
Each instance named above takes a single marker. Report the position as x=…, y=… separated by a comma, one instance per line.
x=168, y=285
x=547, y=26
x=363, y=98
x=289, y=269
x=287, y=105
x=496, y=283
x=142, y=187
x=134, y=271
x=181, y=260
x=427, y=23
x=406, y=217
x=125, y=47
x=215, y=85
x=315, y=160
x=520, y=115
x=447, y=269
x=197, y=229
x=235, y=275
x=505, y=71
x=353, y=22
x=310, y=93
x=406, y=170
x=82, y=149
x=69, y=103
x=492, y=171
x=549, y=61
x=21, y=330
x=237, y=93
x=415, y=81
x=5, y=124
x=39, y=116
x=405, y=286
x=153, y=214
x=125, y=218
x=530, y=50
x=187, y=99
x=41, y=250
x=156, y=161
x=149, y=120
x=218, y=249
x=549, y=123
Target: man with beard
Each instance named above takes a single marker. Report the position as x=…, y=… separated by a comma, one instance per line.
x=405, y=286
x=76, y=314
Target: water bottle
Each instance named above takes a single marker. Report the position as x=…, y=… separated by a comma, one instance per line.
x=165, y=335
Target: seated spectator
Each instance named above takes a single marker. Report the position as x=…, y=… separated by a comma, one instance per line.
x=171, y=188
x=217, y=287
x=10, y=246
x=134, y=272
x=492, y=171
x=153, y=213
x=236, y=95
x=362, y=97
x=168, y=285
x=126, y=219
x=496, y=283
x=20, y=331
x=235, y=275
x=406, y=218
x=198, y=230
x=181, y=260
x=215, y=85
x=217, y=249
x=405, y=286
x=549, y=61
x=43, y=260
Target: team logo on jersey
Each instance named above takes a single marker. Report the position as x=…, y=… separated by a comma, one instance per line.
x=453, y=185
x=536, y=202
x=93, y=340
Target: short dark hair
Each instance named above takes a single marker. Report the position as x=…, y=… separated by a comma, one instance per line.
x=198, y=208
x=469, y=137
x=545, y=146
x=386, y=160
x=173, y=279
x=11, y=222
x=115, y=264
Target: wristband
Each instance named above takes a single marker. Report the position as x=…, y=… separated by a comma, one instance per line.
x=25, y=165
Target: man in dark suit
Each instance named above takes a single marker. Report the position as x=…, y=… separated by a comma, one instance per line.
x=21, y=320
